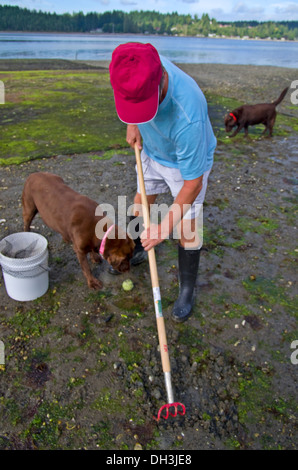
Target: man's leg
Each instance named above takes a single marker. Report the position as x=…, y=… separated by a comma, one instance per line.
x=189, y=250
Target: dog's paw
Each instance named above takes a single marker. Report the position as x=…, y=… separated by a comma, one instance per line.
x=95, y=284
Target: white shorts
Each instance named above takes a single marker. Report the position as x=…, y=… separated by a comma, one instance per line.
x=160, y=179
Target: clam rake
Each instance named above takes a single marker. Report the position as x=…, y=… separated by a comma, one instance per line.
x=171, y=408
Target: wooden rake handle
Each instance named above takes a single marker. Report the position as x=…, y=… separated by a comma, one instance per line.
x=154, y=275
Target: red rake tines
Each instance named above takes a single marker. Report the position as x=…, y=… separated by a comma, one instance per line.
x=168, y=412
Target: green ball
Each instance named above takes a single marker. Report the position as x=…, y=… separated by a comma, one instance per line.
x=127, y=285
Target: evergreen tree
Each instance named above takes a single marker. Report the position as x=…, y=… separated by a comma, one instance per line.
x=13, y=18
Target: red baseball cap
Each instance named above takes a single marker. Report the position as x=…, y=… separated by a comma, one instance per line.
x=135, y=74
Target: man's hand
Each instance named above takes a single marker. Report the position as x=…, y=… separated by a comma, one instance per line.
x=133, y=136
x=153, y=236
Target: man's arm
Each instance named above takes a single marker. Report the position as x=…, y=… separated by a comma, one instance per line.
x=157, y=233
x=133, y=136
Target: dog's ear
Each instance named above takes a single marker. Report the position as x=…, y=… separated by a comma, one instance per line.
x=229, y=121
x=117, y=246
x=115, y=258
x=239, y=112
x=118, y=252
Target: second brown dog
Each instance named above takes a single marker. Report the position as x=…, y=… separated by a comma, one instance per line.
x=250, y=115
x=73, y=216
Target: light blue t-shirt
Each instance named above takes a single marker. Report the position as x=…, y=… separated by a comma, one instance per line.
x=180, y=135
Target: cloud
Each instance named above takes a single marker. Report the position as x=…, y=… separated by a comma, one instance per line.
x=190, y=1
x=290, y=9
x=242, y=9
x=128, y=2
x=217, y=13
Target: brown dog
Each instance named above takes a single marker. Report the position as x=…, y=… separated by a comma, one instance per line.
x=250, y=115
x=73, y=216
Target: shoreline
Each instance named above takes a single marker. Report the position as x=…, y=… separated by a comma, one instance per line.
x=90, y=33
x=19, y=64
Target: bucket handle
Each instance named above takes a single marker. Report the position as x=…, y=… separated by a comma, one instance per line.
x=18, y=274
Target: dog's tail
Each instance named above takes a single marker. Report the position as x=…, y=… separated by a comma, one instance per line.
x=283, y=94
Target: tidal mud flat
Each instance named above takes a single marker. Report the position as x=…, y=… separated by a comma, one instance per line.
x=82, y=369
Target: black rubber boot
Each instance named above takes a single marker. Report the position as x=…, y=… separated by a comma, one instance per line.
x=139, y=254
x=188, y=270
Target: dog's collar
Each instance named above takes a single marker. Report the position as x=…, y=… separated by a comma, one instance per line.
x=233, y=116
x=103, y=242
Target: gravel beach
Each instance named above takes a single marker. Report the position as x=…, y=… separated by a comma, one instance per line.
x=82, y=369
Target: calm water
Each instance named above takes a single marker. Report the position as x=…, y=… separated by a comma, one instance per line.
x=183, y=50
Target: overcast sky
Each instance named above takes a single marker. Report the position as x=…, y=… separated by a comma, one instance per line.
x=221, y=10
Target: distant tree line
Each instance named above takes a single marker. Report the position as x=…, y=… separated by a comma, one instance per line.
x=13, y=18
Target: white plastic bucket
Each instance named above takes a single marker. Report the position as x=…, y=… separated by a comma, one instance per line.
x=24, y=261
